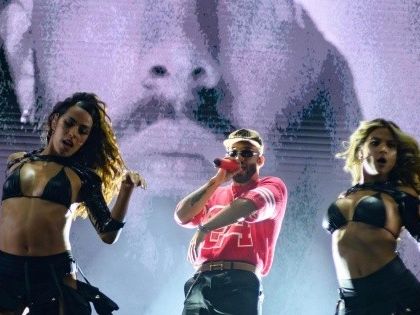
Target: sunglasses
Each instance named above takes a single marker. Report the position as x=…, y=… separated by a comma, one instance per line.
x=243, y=153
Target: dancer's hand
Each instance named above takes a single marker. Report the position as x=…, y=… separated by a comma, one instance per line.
x=133, y=179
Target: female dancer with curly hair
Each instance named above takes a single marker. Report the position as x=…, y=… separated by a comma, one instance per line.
x=80, y=164
x=366, y=220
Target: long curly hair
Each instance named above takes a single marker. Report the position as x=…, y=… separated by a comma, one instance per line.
x=100, y=152
x=407, y=167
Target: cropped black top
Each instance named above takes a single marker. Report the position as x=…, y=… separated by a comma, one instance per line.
x=58, y=189
x=371, y=209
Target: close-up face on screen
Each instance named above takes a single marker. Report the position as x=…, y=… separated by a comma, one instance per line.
x=177, y=77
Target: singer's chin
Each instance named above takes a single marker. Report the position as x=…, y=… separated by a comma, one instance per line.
x=245, y=175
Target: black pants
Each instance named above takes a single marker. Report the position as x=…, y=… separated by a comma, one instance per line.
x=391, y=290
x=37, y=283
x=229, y=292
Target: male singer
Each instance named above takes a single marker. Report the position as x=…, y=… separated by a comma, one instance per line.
x=237, y=229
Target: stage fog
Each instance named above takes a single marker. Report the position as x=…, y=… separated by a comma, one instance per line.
x=177, y=77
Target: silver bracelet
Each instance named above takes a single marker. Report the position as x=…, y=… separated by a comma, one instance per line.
x=203, y=229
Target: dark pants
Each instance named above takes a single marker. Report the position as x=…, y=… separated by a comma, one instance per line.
x=393, y=289
x=37, y=283
x=229, y=292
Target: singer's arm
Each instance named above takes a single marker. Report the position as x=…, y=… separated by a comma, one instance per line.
x=193, y=203
x=238, y=209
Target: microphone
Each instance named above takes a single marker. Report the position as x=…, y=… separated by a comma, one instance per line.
x=226, y=164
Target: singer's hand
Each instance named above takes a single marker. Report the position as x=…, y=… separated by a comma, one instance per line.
x=223, y=175
x=195, y=245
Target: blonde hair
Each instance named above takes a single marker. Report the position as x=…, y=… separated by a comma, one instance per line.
x=407, y=167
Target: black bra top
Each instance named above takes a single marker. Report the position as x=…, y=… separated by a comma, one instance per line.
x=371, y=209
x=58, y=188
